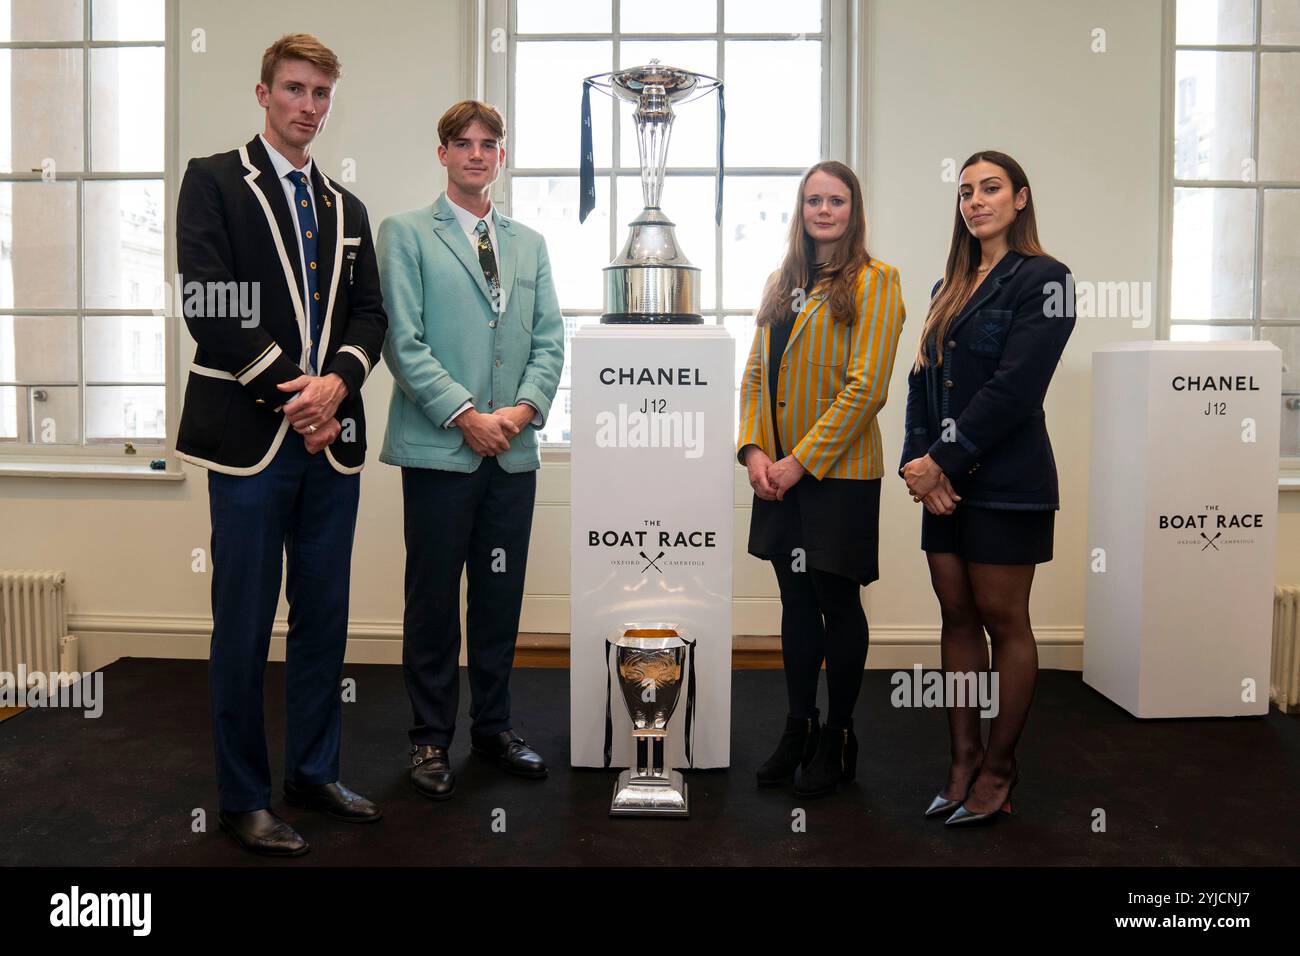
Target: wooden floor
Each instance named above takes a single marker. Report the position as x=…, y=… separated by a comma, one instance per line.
x=7, y=712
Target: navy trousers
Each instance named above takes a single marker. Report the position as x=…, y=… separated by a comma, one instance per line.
x=300, y=507
x=480, y=522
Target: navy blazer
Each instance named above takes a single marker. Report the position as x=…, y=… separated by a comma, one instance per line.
x=998, y=360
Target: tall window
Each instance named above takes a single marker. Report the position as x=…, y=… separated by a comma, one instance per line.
x=81, y=222
x=1235, y=269
x=772, y=57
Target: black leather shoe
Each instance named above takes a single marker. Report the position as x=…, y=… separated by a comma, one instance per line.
x=795, y=749
x=261, y=831
x=431, y=772
x=512, y=754
x=835, y=762
x=334, y=799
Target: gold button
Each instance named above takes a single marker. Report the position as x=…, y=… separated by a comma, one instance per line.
x=313, y=265
x=315, y=295
x=260, y=401
x=782, y=404
x=948, y=384
x=308, y=233
x=304, y=202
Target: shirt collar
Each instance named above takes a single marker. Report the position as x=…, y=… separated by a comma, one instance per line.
x=468, y=221
x=282, y=166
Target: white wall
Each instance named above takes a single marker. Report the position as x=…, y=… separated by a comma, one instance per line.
x=945, y=78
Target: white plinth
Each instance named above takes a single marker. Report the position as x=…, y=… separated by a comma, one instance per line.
x=652, y=466
x=1183, y=512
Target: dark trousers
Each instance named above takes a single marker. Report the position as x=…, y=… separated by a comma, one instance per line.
x=480, y=522
x=298, y=506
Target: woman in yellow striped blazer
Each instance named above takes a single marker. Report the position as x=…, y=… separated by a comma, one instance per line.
x=818, y=373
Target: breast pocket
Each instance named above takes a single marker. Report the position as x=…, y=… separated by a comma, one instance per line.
x=988, y=332
x=523, y=299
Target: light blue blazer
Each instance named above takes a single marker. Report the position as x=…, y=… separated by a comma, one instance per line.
x=446, y=344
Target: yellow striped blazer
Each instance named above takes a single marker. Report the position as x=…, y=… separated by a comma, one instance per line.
x=834, y=378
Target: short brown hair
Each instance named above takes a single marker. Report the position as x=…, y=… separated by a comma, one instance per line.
x=299, y=46
x=458, y=119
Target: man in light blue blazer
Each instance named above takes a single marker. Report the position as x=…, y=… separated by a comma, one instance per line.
x=475, y=345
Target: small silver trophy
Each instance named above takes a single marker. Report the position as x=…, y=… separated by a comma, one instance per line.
x=650, y=667
x=650, y=281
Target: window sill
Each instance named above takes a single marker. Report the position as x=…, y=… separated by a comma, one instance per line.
x=85, y=469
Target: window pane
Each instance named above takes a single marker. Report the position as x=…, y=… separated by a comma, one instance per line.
x=1279, y=116
x=126, y=348
x=40, y=111
x=772, y=16
x=548, y=88
x=1212, y=123
x=572, y=323
x=1288, y=340
x=694, y=139
x=1209, y=333
x=688, y=201
x=8, y=413
x=577, y=252
x=1281, y=21
x=124, y=244
x=126, y=119
x=571, y=16
x=53, y=415
x=753, y=100
x=38, y=245
x=1215, y=21
x=131, y=411
x=1280, y=285
x=668, y=16
x=38, y=350
x=755, y=225
x=22, y=20
x=1213, y=254
x=127, y=20
x=742, y=329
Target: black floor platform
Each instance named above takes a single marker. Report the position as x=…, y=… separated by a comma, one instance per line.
x=122, y=789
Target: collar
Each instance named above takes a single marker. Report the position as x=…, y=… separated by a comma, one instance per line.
x=282, y=166
x=468, y=221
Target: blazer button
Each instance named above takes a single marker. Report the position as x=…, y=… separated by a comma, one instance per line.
x=489, y=403
x=947, y=383
x=260, y=401
x=952, y=343
x=492, y=324
x=498, y=363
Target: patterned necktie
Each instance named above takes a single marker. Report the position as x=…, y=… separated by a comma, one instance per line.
x=487, y=260
x=307, y=227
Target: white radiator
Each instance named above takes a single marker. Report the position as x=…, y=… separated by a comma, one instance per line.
x=33, y=625
x=1285, y=690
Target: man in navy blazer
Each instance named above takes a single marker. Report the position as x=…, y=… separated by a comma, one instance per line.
x=273, y=411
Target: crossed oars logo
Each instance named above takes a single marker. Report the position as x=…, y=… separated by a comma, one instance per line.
x=1210, y=541
x=651, y=561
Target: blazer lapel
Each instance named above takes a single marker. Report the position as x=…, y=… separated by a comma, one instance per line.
x=994, y=281
x=261, y=179
x=329, y=246
x=805, y=316
x=449, y=231
x=505, y=256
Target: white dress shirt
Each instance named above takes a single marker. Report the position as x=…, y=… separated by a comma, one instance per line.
x=282, y=169
x=469, y=223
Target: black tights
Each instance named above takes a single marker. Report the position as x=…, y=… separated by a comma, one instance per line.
x=974, y=598
x=821, y=618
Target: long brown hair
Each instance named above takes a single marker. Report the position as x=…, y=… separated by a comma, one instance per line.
x=847, y=260
x=960, y=277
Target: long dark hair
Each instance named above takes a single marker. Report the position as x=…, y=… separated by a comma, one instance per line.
x=960, y=276
x=847, y=260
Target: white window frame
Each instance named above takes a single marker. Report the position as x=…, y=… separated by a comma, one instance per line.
x=109, y=458
x=1289, y=467
x=490, y=76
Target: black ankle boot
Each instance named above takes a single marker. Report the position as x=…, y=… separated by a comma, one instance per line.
x=836, y=760
x=795, y=749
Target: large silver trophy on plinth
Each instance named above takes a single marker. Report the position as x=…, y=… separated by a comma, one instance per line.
x=650, y=667
x=651, y=280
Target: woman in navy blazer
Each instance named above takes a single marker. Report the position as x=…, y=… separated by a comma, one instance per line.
x=977, y=455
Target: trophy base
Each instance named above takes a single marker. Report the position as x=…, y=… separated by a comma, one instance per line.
x=651, y=318
x=634, y=797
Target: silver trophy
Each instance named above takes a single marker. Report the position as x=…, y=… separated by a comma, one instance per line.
x=650, y=281
x=650, y=667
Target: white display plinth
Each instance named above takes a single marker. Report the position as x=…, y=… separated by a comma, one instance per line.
x=652, y=475
x=1182, y=526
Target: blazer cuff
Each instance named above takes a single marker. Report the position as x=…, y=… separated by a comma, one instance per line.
x=534, y=396
x=264, y=373
x=955, y=457
x=351, y=364
x=537, y=415
x=456, y=414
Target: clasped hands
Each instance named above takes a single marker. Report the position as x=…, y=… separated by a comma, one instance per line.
x=311, y=410
x=490, y=434
x=771, y=480
x=930, y=486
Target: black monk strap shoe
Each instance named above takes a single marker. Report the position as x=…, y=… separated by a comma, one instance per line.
x=431, y=772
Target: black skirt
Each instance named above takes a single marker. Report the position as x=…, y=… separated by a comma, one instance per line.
x=836, y=521
x=991, y=535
